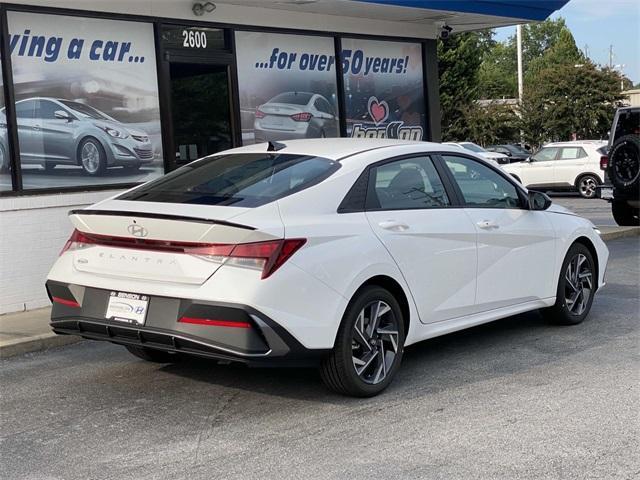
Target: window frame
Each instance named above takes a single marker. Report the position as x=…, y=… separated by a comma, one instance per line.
x=522, y=193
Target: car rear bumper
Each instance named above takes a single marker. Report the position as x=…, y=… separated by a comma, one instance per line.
x=248, y=336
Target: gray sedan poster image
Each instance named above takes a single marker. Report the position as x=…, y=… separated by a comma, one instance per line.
x=86, y=100
x=287, y=86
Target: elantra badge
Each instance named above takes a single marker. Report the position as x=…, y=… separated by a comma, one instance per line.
x=137, y=230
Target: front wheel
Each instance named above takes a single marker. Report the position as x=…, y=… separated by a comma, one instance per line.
x=587, y=186
x=369, y=345
x=92, y=157
x=624, y=214
x=576, y=287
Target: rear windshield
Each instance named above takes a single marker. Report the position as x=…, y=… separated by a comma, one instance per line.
x=239, y=180
x=295, y=98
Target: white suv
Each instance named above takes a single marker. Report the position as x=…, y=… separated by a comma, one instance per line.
x=563, y=166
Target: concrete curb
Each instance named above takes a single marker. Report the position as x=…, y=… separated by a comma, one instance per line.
x=619, y=232
x=35, y=343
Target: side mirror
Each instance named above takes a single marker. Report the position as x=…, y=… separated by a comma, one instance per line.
x=62, y=115
x=538, y=200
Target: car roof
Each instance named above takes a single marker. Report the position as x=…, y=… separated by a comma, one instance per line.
x=339, y=148
x=575, y=143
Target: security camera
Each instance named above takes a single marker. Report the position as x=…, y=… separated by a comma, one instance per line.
x=445, y=31
x=200, y=9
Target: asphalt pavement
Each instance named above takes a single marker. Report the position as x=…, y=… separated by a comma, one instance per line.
x=518, y=398
x=595, y=209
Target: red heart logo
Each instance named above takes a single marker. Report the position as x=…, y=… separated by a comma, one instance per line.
x=379, y=111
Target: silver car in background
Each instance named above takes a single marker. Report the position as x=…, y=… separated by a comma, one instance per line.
x=55, y=131
x=295, y=115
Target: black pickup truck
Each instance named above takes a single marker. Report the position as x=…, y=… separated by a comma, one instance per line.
x=622, y=170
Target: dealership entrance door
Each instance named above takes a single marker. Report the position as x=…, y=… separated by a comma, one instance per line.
x=199, y=109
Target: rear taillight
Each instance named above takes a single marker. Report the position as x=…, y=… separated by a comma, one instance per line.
x=266, y=256
x=260, y=113
x=302, y=117
x=604, y=162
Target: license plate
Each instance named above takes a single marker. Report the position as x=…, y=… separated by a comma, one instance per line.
x=127, y=307
x=606, y=193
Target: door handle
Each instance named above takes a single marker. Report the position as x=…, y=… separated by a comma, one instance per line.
x=487, y=224
x=393, y=225
x=36, y=127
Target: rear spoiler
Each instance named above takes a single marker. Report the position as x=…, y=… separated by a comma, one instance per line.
x=161, y=216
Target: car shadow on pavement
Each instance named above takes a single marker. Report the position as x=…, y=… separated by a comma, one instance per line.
x=484, y=353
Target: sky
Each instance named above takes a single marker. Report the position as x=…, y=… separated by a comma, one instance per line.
x=599, y=24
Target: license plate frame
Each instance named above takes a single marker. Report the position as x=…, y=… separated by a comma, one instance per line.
x=125, y=307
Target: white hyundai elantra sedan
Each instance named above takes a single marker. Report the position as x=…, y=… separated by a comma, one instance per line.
x=338, y=253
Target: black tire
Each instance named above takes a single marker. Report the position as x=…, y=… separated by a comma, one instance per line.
x=152, y=355
x=624, y=163
x=338, y=370
x=561, y=313
x=101, y=160
x=4, y=160
x=586, y=186
x=624, y=214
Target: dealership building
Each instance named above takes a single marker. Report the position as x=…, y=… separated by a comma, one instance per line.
x=100, y=96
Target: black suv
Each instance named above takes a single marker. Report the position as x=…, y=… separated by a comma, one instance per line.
x=623, y=167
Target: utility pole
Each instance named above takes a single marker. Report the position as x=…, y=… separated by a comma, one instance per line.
x=610, y=56
x=520, y=82
x=519, y=43
x=586, y=50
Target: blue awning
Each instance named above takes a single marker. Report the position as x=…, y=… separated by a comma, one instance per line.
x=532, y=10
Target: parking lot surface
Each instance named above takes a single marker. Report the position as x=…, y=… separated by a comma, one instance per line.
x=595, y=209
x=517, y=398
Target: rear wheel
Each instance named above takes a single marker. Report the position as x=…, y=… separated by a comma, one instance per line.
x=587, y=186
x=4, y=161
x=624, y=214
x=152, y=355
x=576, y=287
x=369, y=345
x=624, y=162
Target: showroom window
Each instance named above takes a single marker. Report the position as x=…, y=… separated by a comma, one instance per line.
x=5, y=156
x=87, y=108
x=287, y=86
x=383, y=89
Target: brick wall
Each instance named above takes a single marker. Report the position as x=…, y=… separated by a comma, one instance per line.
x=33, y=230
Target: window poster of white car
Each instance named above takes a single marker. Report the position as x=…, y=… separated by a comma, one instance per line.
x=384, y=94
x=287, y=86
x=86, y=100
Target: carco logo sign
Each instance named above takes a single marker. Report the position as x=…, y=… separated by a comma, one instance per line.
x=379, y=112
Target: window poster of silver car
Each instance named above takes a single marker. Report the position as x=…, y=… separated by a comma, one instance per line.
x=287, y=86
x=86, y=95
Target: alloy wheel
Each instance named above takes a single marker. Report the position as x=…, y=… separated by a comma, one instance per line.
x=588, y=187
x=578, y=284
x=90, y=157
x=374, y=344
x=626, y=166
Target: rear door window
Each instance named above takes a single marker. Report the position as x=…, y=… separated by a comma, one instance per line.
x=572, y=153
x=406, y=184
x=239, y=180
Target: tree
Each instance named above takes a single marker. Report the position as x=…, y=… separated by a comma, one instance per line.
x=567, y=99
x=491, y=124
x=459, y=59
